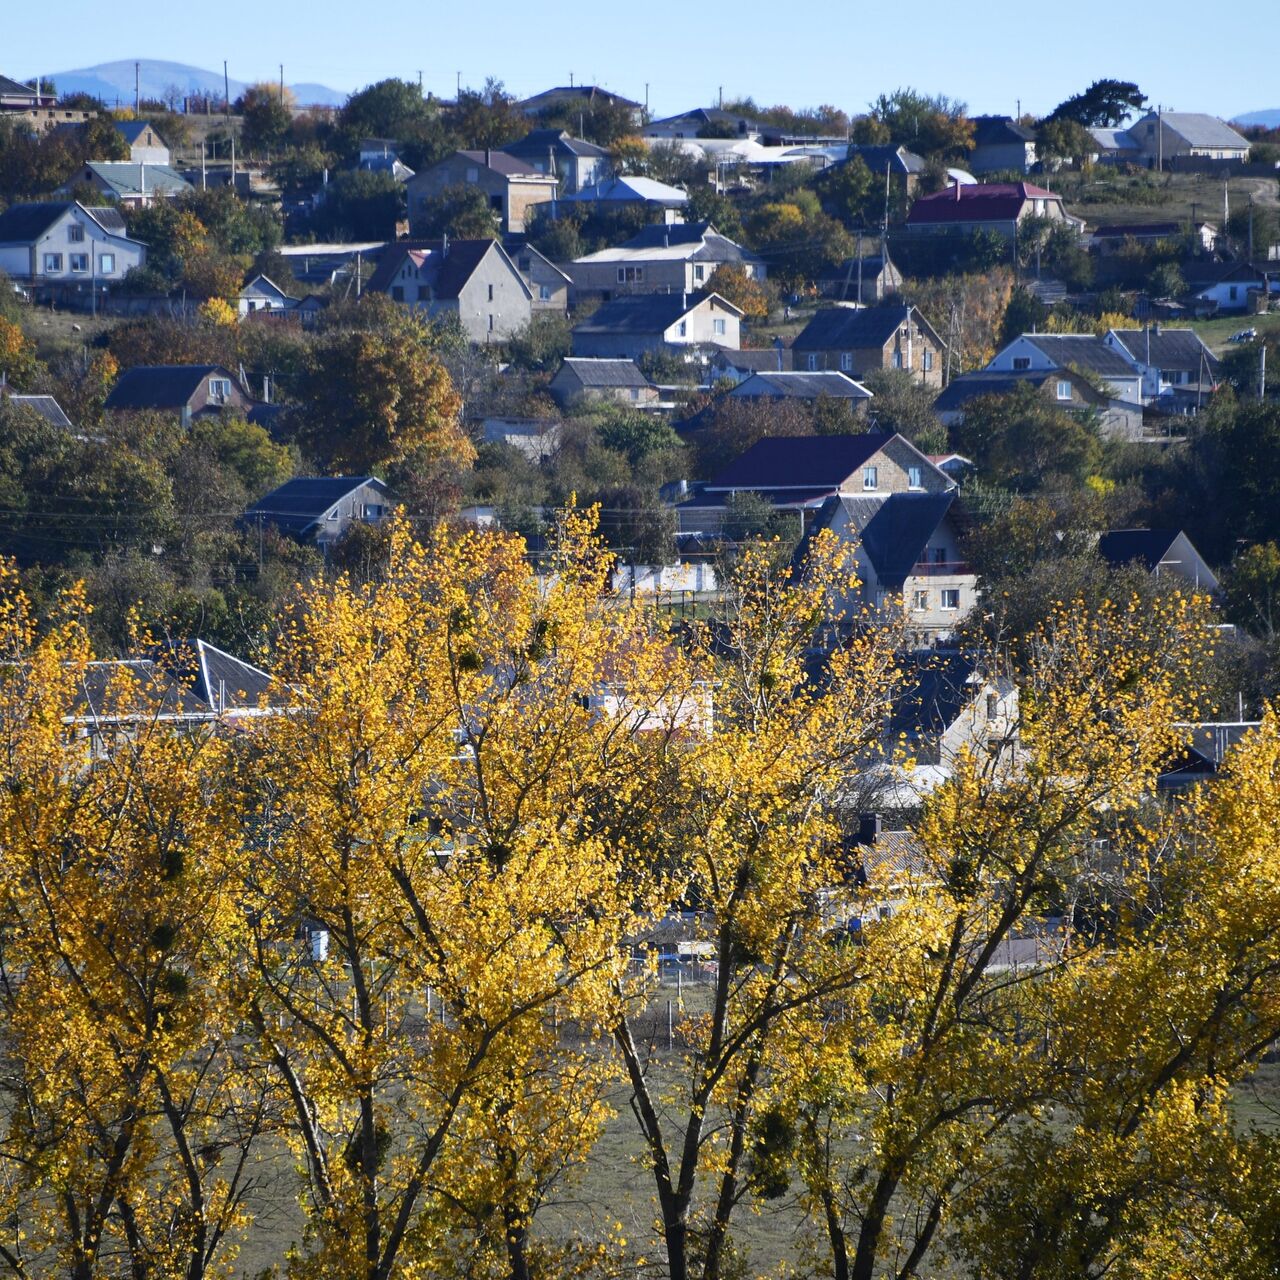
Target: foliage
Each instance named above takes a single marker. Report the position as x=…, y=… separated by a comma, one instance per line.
x=266, y=112
x=930, y=125
x=798, y=241
x=967, y=311
x=905, y=405
x=360, y=205
x=1105, y=103
x=731, y=282
x=460, y=211
x=1065, y=138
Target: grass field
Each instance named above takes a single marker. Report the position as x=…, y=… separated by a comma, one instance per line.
x=1216, y=333
x=61, y=333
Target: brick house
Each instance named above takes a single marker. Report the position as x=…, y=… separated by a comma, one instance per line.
x=857, y=341
x=512, y=186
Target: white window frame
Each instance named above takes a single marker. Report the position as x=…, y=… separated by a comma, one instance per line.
x=1064, y=389
x=846, y=361
x=914, y=478
x=870, y=478
x=812, y=362
x=928, y=361
x=78, y=263
x=75, y=233
x=920, y=602
x=718, y=327
x=953, y=594
x=219, y=390
x=53, y=264
x=106, y=264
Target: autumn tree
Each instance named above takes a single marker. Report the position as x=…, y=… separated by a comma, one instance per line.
x=267, y=111
x=731, y=282
x=460, y=211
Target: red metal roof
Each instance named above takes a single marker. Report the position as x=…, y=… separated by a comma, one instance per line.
x=977, y=202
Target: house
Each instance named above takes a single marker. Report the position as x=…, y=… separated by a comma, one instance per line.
x=548, y=285
x=186, y=389
x=829, y=384
x=320, y=509
x=537, y=438
x=582, y=378
x=613, y=192
x=635, y=323
x=511, y=186
x=129, y=183
x=737, y=366
x=1228, y=287
x=1201, y=757
x=896, y=163
x=1113, y=236
x=1160, y=136
x=15, y=96
x=474, y=280
x=578, y=97
x=665, y=258
x=856, y=341
x=1166, y=359
x=66, y=245
x=146, y=146
x=1086, y=353
x=47, y=407
x=34, y=110
x=702, y=122
x=260, y=293
x=1001, y=145
x=1115, y=146
x=1158, y=549
x=985, y=206
x=379, y=155
x=575, y=163
x=866, y=281
x=1063, y=388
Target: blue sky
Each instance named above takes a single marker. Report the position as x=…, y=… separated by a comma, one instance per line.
x=991, y=54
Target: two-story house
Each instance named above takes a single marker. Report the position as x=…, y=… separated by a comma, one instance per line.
x=1167, y=360
x=678, y=257
x=671, y=322
x=474, y=280
x=858, y=340
x=985, y=206
x=575, y=163
x=188, y=390
x=1086, y=353
x=548, y=285
x=61, y=246
x=1001, y=145
x=320, y=509
x=512, y=186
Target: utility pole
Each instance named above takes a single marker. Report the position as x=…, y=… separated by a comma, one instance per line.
x=1251, y=230
x=721, y=97
x=226, y=91
x=1262, y=369
x=1159, y=138
x=457, y=85
x=282, y=84
x=419, y=84
x=137, y=87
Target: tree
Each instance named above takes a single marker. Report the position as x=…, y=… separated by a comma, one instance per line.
x=799, y=241
x=931, y=125
x=1105, y=104
x=388, y=109
x=731, y=282
x=1065, y=139
x=905, y=405
x=362, y=205
x=1025, y=313
x=18, y=359
x=850, y=193
x=460, y=211
x=267, y=112
x=487, y=117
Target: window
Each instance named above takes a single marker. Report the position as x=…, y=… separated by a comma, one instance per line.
x=950, y=599
x=397, y=293
x=920, y=601
x=219, y=389
x=699, y=272
x=473, y=175
x=1234, y=292
x=1022, y=362
x=1064, y=389
x=495, y=203
x=913, y=478
x=684, y=328
x=544, y=293
x=106, y=264
x=424, y=293
x=79, y=261
x=630, y=275
x=939, y=555
x=812, y=363
x=897, y=359
x=75, y=233
x=490, y=321
x=993, y=706
x=491, y=293
x=717, y=327
x=53, y=262
x=846, y=361
x=928, y=361
x=870, y=477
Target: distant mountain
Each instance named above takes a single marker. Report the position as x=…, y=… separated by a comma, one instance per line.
x=113, y=81
x=1267, y=119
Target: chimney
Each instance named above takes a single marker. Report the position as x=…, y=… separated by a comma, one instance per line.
x=444, y=245
x=868, y=828
x=487, y=154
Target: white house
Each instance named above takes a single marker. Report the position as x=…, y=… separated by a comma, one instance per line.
x=1082, y=352
x=69, y=245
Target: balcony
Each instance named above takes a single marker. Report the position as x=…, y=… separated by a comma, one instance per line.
x=940, y=569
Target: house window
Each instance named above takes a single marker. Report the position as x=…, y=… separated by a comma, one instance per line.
x=846, y=361
x=424, y=293
x=397, y=292
x=495, y=203
x=630, y=275
x=1022, y=362
x=544, y=293
x=106, y=264
x=635, y=393
x=75, y=233
x=79, y=261
x=1233, y=292
x=870, y=477
x=473, y=175
x=699, y=273
x=219, y=389
x=373, y=511
x=897, y=359
x=491, y=293
x=920, y=601
x=717, y=327
x=1064, y=389
x=928, y=362
x=993, y=706
x=53, y=262
x=684, y=328
x=950, y=599
x=812, y=363
x=490, y=321
x=913, y=478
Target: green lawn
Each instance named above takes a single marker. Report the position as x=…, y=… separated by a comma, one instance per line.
x=1217, y=332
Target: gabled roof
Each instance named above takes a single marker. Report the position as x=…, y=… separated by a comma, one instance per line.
x=1170, y=348
x=302, y=502
x=936, y=689
x=538, y=142
x=629, y=189
x=992, y=382
x=800, y=462
x=127, y=179
x=854, y=327
x=646, y=312
x=679, y=242
x=446, y=272
x=261, y=286
x=23, y=223
x=1196, y=129
x=46, y=406
x=1083, y=351
x=604, y=372
x=1147, y=546
x=109, y=218
x=895, y=529
x=1113, y=139
x=1206, y=275
x=12, y=88
x=702, y=116
x=508, y=165
x=877, y=156
x=755, y=360
x=976, y=202
x=998, y=131
x=773, y=384
x=227, y=682
x=585, y=92
x=515, y=250
x=161, y=386
x=132, y=130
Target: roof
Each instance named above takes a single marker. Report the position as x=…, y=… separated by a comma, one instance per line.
x=801, y=386
x=261, y=286
x=991, y=382
x=894, y=529
x=160, y=386
x=508, y=165
x=646, y=312
x=757, y=360
x=1121, y=230
x=891, y=855
x=976, y=202
x=854, y=327
x=224, y=681
x=604, y=372
x=299, y=503
x=537, y=142
x=446, y=273
x=1195, y=129
x=1113, y=139
x=22, y=223
x=128, y=179
x=46, y=406
x=1083, y=351
x=936, y=688
x=586, y=92
x=679, y=241
x=997, y=131
x=1149, y=546
x=876, y=156
x=1170, y=348
x=798, y=462
x=630, y=189
x=14, y=88
x=108, y=217
x=704, y=116
x=132, y=130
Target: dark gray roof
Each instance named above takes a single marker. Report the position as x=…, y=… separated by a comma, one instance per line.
x=584, y=92
x=988, y=382
x=447, y=273
x=936, y=688
x=639, y=313
x=802, y=386
x=109, y=218
x=892, y=855
x=227, y=682
x=758, y=360
x=995, y=131
x=852, y=327
x=13, y=88
x=1148, y=546
x=877, y=156
x=604, y=372
x=132, y=130
x=1084, y=351
x=22, y=223
x=161, y=386
x=818, y=462
x=131, y=689
x=46, y=406
x=537, y=142
x=299, y=503
x=500, y=162
x=1170, y=349
x=895, y=529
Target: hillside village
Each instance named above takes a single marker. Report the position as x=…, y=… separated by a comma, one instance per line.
x=964, y=428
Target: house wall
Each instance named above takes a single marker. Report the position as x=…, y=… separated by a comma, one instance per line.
x=1232, y=295
x=149, y=149
x=27, y=262
x=977, y=730
x=698, y=327
x=453, y=171
x=202, y=399
x=1015, y=156
x=901, y=351
x=542, y=280
x=494, y=302
x=40, y=119
x=930, y=620
x=367, y=504
x=1164, y=143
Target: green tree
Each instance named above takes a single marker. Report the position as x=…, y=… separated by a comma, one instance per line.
x=460, y=211
x=1024, y=314
x=1105, y=103
x=487, y=117
x=361, y=205
x=1064, y=139
x=267, y=112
